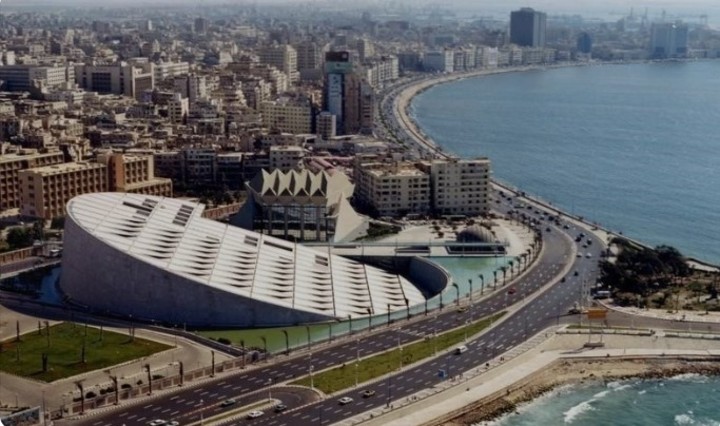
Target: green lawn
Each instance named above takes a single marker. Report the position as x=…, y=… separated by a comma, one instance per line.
x=64, y=353
x=343, y=377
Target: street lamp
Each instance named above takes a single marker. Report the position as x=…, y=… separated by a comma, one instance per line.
x=471, y=290
x=482, y=283
x=457, y=289
x=312, y=382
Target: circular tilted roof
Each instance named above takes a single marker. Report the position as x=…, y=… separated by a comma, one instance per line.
x=173, y=235
x=475, y=234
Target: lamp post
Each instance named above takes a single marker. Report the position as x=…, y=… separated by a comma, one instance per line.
x=471, y=290
x=312, y=383
x=149, y=375
x=457, y=289
x=287, y=342
x=482, y=283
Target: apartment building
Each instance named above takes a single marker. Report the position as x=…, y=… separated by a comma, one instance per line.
x=135, y=174
x=178, y=109
x=10, y=167
x=119, y=78
x=439, y=61
x=165, y=70
x=45, y=191
x=396, y=190
x=283, y=57
x=286, y=158
x=193, y=86
x=439, y=187
x=18, y=78
x=458, y=187
x=289, y=115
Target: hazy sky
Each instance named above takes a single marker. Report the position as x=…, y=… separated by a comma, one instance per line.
x=604, y=8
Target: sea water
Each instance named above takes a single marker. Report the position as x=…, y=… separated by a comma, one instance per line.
x=682, y=400
x=634, y=147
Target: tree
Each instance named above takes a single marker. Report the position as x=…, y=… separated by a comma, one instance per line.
x=58, y=222
x=18, y=238
x=38, y=230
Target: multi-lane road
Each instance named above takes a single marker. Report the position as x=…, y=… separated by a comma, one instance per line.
x=557, y=260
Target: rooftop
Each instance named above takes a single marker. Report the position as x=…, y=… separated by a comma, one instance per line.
x=172, y=234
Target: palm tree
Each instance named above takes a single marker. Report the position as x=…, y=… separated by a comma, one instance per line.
x=517, y=261
x=511, y=263
x=504, y=270
x=494, y=279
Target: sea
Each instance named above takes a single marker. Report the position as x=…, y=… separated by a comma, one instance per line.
x=683, y=400
x=634, y=147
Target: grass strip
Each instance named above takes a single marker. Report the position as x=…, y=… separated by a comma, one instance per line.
x=343, y=377
x=62, y=344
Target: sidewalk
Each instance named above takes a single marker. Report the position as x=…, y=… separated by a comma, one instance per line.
x=534, y=360
x=683, y=316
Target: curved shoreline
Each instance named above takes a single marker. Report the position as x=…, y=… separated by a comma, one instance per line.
x=401, y=107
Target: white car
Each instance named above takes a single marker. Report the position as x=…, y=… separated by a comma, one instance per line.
x=255, y=414
x=588, y=255
x=157, y=422
x=345, y=400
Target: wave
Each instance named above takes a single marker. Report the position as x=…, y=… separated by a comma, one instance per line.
x=689, y=377
x=574, y=412
x=684, y=419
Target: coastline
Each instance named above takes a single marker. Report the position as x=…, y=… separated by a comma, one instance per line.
x=566, y=372
x=401, y=108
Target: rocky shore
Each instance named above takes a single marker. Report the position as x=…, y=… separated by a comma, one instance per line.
x=567, y=372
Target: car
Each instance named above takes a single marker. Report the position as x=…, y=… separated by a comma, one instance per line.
x=579, y=255
x=589, y=255
x=566, y=226
x=589, y=242
x=345, y=400
x=576, y=273
x=280, y=408
x=512, y=290
x=158, y=422
x=574, y=311
x=255, y=414
x=368, y=393
x=562, y=280
x=547, y=229
x=173, y=423
x=462, y=309
x=584, y=245
x=228, y=402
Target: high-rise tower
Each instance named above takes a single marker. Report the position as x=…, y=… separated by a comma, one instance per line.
x=527, y=27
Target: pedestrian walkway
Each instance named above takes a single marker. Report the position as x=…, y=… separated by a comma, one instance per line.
x=682, y=316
